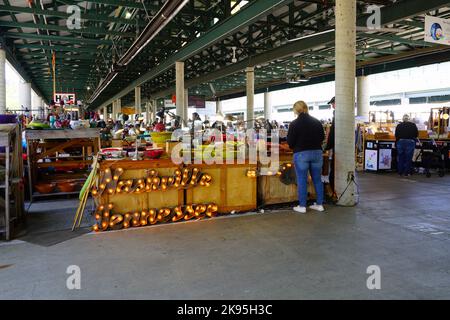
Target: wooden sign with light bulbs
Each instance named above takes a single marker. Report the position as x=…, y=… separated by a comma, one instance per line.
x=107, y=220
x=183, y=178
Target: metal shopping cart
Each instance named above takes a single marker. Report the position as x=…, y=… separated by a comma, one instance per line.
x=432, y=156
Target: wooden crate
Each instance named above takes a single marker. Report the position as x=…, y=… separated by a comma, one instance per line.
x=272, y=191
x=230, y=189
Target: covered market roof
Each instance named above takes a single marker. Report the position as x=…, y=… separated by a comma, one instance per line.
x=286, y=41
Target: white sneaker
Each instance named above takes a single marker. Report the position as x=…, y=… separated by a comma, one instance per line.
x=300, y=209
x=317, y=207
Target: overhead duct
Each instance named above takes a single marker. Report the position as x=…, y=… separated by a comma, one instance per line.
x=168, y=11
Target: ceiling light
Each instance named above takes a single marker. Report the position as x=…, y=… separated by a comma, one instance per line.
x=127, y=15
x=311, y=35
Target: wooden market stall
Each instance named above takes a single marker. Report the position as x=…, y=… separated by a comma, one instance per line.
x=11, y=178
x=58, y=160
x=131, y=193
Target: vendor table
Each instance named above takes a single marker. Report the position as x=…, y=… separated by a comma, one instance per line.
x=381, y=154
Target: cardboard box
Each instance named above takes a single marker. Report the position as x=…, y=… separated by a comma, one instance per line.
x=116, y=143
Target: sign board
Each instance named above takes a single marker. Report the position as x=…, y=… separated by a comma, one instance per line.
x=168, y=104
x=371, y=160
x=196, y=102
x=437, y=30
x=67, y=98
x=193, y=101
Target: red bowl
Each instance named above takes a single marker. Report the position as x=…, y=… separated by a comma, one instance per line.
x=153, y=154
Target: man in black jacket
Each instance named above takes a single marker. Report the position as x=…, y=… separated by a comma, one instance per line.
x=330, y=143
x=305, y=137
x=406, y=134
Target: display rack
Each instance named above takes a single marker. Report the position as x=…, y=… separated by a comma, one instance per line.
x=11, y=182
x=63, y=149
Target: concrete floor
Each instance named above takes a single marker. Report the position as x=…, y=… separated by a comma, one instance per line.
x=401, y=225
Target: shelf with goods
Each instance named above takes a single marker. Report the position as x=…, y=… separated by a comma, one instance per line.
x=58, y=160
x=11, y=179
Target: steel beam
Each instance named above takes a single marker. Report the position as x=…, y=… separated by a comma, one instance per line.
x=390, y=14
x=21, y=35
x=57, y=48
x=64, y=15
x=393, y=38
x=43, y=26
x=251, y=13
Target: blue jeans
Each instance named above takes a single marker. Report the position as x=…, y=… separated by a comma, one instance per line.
x=312, y=161
x=405, y=152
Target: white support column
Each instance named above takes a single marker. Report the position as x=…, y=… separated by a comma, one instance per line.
x=25, y=95
x=180, y=94
x=2, y=81
x=118, y=110
x=114, y=110
x=154, y=109
x=41, y=108
x=186, y=105
x=345, y=100
x=36, y=105
x=250, y=72
x=45, y=106
x=147, y=112
x=363, y=96
x=137, y=100
x=267, y=106
x=219, y=107
x=105, y=113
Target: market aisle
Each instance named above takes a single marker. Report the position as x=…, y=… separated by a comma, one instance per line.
x=401, y=225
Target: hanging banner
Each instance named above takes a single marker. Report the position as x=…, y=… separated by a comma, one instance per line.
x=437, y=30
x=66, y=98
x=196, y=102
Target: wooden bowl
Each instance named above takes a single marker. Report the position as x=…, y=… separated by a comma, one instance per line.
x=45, y=188
x=67, y=186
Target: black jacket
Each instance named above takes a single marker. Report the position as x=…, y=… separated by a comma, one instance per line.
x=406, y=130
x=305, y=133
x=330, y=140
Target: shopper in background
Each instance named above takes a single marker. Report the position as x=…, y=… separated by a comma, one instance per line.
x=330, y=143
x=305, y=137
x=406, y=134
x=118, y=125
x=160, y=127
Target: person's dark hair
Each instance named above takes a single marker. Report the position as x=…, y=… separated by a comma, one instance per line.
x=101, y=124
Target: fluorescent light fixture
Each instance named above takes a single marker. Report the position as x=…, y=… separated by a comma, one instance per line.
x=312, y=35
x=168, y=11
x=128, y=15
x=366, y=29
x=358, y=29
